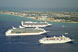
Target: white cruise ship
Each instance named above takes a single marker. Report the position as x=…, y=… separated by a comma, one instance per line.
x=53, y=40
x=34, y=24
x=24, y=31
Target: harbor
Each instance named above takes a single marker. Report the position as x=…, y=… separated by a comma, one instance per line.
x=32, y=42
x=38, y=25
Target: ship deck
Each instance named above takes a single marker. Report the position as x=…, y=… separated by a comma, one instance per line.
x=34, y=23
x=24, y=30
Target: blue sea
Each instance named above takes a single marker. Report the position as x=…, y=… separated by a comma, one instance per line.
x=30, y=43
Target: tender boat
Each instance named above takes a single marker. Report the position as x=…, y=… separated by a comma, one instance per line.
x=66, y=33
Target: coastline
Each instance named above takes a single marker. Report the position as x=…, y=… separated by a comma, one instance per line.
x=39, y=20
x=55, y=22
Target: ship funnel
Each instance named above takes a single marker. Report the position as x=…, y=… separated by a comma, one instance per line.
x=63, y=36
x=13, y=27
x=22, y=23
x=21, y=27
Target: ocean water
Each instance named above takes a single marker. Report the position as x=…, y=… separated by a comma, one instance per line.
x=30, y=43
x=39, y=9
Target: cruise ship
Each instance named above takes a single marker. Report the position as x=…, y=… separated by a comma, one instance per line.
x=54, y=40
x=24, y=31
x=34, y=24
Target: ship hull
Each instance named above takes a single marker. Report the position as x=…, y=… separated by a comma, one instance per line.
x=36, y=25
x=8, y=33
x=55, y=42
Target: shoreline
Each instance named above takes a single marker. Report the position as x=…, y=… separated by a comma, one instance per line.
x=55, y=22
x=39, y=20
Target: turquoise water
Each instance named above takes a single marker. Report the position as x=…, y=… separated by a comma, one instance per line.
x=8, y=18
x=30, y=43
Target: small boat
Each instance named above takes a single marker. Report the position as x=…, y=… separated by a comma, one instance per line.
x=54, y=40
x=63, y=26
x=65, y=33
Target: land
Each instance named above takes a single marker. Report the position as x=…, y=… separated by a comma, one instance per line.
x=69, y=17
